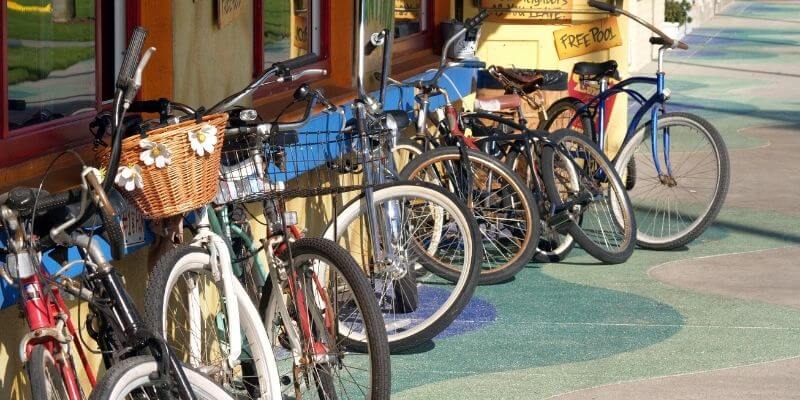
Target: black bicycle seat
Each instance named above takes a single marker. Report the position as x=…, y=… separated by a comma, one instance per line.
x=595, y=71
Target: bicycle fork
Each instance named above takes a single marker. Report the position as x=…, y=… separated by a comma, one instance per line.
x=222, y=271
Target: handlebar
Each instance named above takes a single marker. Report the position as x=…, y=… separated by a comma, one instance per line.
x=666, y=40
x=297, y=62
x=294, y=77
x=131, y=57
x=312, y=96
x=279, y=68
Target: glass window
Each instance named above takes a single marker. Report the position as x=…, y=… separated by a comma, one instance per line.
x=409, y=17
x=51, y=59
x=291, y=29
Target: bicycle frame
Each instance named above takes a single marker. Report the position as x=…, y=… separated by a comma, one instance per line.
x=274, y=271
x=655, y=105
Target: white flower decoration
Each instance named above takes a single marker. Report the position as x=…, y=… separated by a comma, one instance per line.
x=203, y=141
x=129, y=177
x=155, y=153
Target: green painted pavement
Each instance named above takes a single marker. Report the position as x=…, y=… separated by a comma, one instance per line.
x=578, y=324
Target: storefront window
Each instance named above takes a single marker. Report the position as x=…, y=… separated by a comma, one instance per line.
x=290, y=29
x=50, y=60
x=409, y=17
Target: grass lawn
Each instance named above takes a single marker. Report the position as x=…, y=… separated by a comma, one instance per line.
x=30, y=64
x=38, y=26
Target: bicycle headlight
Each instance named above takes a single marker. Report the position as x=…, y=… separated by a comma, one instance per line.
x=248, y=115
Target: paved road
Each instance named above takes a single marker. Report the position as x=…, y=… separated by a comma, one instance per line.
x=719, y=319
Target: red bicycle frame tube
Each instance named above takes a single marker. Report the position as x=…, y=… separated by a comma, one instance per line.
x=42, y=311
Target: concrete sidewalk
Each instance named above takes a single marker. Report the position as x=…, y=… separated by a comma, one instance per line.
x=718, y=320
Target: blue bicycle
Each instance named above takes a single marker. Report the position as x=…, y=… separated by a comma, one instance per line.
x=675, y=165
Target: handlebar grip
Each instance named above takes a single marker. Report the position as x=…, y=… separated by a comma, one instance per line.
x=113, y=233
x=146, y=106
x=129, y=62
x=57, y=200
x=297, y=62
x=472, y=23
x=476, y=64
x=600, y=5
x=682, y=46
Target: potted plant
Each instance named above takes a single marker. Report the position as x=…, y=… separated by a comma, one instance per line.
x=676, y=15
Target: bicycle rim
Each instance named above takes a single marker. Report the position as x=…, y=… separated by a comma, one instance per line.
x=671, y=211
x=324, y=312
x=415, y=307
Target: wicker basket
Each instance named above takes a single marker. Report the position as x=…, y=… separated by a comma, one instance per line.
x=187, y=183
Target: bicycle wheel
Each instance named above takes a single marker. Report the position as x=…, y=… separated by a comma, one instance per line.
x=431, y=228
x=597, y=213
x=138, y=378
x=673, y=209
x=554, y=245
x=185, y=303
x=503, y=205
x=44, y=376
x=328, y=300
x=560, y=113
x=406, y=150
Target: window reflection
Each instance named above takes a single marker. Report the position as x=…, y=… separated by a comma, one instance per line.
x=289, y=29
x=51, y=59
x=409, y=17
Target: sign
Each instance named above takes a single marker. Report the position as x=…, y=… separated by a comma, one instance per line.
x=300, y=35
x=521, y=10
x=587, y=38
x=407, y=9
x=228, y=10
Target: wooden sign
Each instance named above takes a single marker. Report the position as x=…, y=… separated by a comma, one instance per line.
x=300, y=34
x=228, y=10
x=407, y=9
x=581, y=39
x=531, y=10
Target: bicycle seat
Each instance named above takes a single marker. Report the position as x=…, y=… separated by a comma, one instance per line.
x=498, y=103
x=529, y=80
x=596, y=71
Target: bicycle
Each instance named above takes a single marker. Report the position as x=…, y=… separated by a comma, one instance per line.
x=138, y=361
x=677, y=190
x=503, y=205
x=395, y=228
x=311, y=293
x=197, y=298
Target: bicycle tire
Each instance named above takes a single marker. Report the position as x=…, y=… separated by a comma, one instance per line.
x=556, y=117
x=405, y=150
x=259, y=372
x=44, y=376
x=499, y=231
x=618, y=212
x=138, y=372
x=709, y=212
x=463, y=290
x=324, y=254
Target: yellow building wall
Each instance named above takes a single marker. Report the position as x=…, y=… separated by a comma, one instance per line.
x=531, y=45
